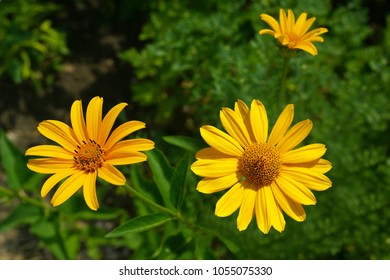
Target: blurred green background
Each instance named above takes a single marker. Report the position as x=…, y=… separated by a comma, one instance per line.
x=177, y=63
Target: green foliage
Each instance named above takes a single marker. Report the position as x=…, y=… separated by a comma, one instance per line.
x=30, y=48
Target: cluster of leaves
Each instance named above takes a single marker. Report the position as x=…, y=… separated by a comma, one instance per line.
x=30, y=48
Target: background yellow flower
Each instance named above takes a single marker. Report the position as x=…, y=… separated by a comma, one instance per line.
x=294, y=34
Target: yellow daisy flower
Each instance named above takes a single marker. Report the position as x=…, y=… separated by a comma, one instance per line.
x=87, y=151
x=265, y=174
x=291, y=34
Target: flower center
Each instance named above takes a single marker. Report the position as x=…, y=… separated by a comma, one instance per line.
x=260, y=164
x=89, y=157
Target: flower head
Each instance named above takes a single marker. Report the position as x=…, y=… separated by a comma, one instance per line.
x=291, y=34
x=87, y=150
x=265, y=175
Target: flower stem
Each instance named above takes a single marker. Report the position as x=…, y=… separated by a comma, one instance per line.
x=282, y=87
x=149, y=201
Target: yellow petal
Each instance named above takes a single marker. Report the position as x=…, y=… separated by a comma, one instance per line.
x=59, y=132
x=290, y=20
x=89, y=191
x=109, y=121
x=133, y=145
x=283, y=21
x=308, y=47
x=221, y=141
x=68, y=188
x=290, y=207
x=94, y=117
x=306, y=153
x=123, y=157
x=310, y=178
x=271, y=22
x=295, y=190
x=230, y=201
x=212, y=185
x=241, y=109
x=55, y=179
x=49, y=165
x=215, y=168
x=122, y=131
x=294, y=136
x=320, y=165
x=234, y=125
x=78, y=122
x=211, y=153
x=247, y=208
x=301, y=25
x=268, y=212
x=282, y=124
x=259, y=121
x=267, y=32
x=49, y=151
x=112, y=175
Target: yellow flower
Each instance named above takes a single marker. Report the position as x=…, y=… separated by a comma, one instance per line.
x=87, y=151
x=265, y=174
x=291, y=34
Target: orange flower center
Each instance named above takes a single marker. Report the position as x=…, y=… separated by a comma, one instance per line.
x=89, y=157
x=260, y=164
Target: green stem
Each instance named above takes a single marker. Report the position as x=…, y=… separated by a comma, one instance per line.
x=22, y=196
x=282, y=87
x=149, y=201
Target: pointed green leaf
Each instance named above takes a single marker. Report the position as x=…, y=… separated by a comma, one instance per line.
x=179, y=179
x=187, y=143
x=140, y=224
x=13, y=162
x=22, y=214
x=162, y=174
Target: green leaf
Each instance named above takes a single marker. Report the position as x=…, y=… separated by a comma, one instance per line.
x=14, y=163
x=179, y=179
x=22, y=214
x=187, y=143
x=162, y=174
x=140, y=224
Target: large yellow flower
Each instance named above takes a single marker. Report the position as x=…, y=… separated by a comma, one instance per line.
x=291, y=34
x=266, y=175
x=87, y=151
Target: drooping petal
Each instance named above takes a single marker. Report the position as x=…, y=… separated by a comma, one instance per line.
x=111, y=174
x=211, y=185
x=234, y=125
x=124, y=157
x=49, y=151
x=268, y=212
x=68, y=188
x=290, y=207
x=306, y=153
x=94, y=117
x=259, y=121
x=59, y=132
x=49, y=165
x=247, y=208
x=221, y=141
x=310, y=178
x=271, y=22
x=230, y=201
x=55, y=179
x=215, y=168
x=78, y=122
x=282, y=124
x=308, y=47
x=295, y=190
x=122, y=131
x=109, y=121
x=89, y=191
x=294, y=136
